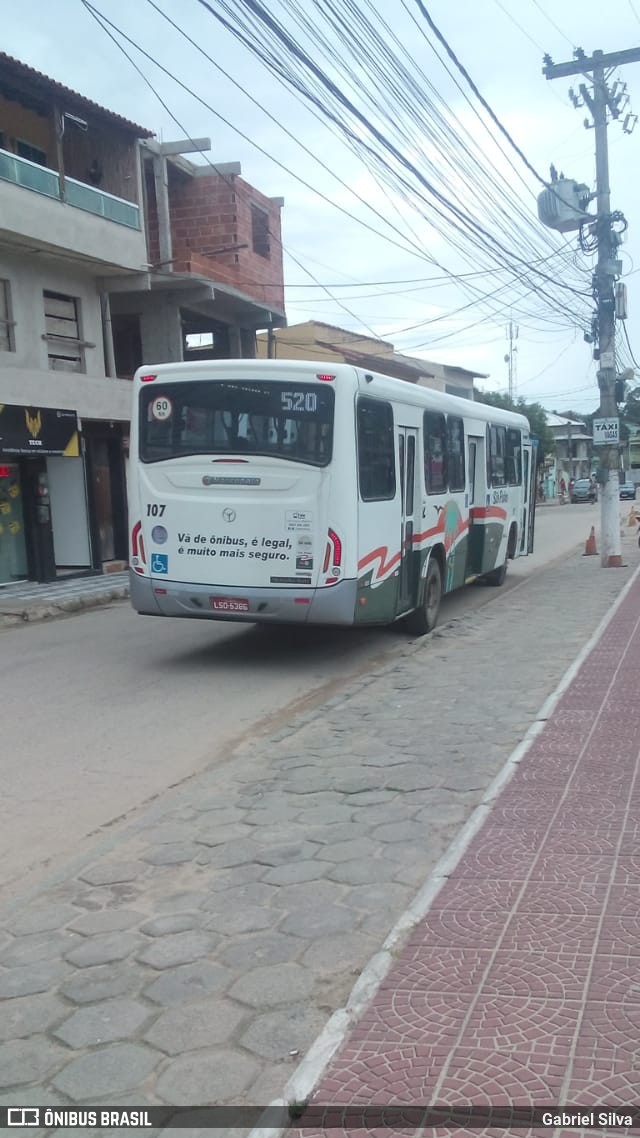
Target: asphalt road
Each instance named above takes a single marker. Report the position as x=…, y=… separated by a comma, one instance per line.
x=106, y=709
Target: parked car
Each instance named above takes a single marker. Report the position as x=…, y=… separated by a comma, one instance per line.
x=627, y=490
x=584, y=490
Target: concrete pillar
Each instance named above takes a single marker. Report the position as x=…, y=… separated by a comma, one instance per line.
x=235, y=342
x=160, y=176
x=248, y=338
x=161, y=330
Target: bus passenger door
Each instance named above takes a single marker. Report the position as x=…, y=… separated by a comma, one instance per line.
x=407, y=450
x=477, y=473
x=530, y=493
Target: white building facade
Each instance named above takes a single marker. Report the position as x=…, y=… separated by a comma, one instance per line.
x=71, y=220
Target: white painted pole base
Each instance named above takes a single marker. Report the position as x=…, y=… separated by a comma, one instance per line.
x=611, y=547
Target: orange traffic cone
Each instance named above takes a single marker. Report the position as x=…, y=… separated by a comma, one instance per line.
x=590, y=544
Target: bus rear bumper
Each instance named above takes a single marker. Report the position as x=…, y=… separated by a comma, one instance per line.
x=333, y=605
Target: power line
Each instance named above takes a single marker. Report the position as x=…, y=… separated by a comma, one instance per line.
x=258, y=43
x=98, y=16
x=531, y=379
x=553, y=23
x=481, y=99
x=525, y=33
x=634, y=10
x=488, y=298
x=626, y=336
x=286, y=131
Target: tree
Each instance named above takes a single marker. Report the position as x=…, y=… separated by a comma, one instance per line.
x=534, y=412
x=630, y=409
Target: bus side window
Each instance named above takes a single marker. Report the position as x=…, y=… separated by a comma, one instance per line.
x=435, y=452
x=376, y=451
x=496, y=456
x=514, y=457
x=455, y=452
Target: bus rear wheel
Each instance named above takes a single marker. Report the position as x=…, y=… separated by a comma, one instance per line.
x=424, y=619
x=497, y=577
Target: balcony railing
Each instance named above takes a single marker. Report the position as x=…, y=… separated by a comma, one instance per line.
x=29, y=174
x=22, y=172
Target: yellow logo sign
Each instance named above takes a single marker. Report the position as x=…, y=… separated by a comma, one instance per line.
x=34, y=423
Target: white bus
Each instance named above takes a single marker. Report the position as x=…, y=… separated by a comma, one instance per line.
x=292, y=491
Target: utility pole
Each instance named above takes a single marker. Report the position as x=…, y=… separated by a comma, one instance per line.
x=600, y=101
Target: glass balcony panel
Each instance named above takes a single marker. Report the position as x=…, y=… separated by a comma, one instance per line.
x=44, y=181
x=105, y=205
x=29, y=174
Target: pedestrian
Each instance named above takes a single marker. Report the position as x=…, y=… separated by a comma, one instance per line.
x=563, y=489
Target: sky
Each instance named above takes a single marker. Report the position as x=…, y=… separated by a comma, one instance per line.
x=396, y=278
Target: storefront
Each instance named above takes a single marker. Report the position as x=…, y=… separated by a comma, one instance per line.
x=105, y=450
x=44, y=515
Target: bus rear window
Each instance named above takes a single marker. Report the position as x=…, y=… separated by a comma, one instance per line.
x=286, y=420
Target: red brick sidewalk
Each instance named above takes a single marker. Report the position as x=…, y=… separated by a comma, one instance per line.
x=522, y=984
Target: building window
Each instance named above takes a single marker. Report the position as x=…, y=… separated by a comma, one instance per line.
x=32, y=153
x=260, y=231
x=435, y=449
x=376, y=454
x=7, y=342
x=455, y=458
x=62, y=332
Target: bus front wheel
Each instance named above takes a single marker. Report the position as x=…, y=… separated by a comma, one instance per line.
x=424, y=619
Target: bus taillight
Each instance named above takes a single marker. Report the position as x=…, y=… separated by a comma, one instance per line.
x=147, y=378
x=137, y=543
x=332, y=557
x=337, y=548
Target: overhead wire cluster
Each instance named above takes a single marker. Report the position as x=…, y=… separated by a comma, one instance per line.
x=350, y=68
x=451, y=189
x=117, y=36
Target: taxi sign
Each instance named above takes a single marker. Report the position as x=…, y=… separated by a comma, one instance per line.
x=606, y=432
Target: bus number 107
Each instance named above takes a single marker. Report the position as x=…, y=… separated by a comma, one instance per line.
x=155, y=510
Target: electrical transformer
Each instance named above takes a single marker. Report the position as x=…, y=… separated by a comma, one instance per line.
x=563, y=205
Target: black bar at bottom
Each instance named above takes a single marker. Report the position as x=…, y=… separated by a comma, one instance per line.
x=325, y=1117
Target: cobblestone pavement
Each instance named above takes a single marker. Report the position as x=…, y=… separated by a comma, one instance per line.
x=199, y=952
x=27, y=601
x=520, y=985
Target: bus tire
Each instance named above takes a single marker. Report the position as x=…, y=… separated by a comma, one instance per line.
x=497, y=577
x=424, y=619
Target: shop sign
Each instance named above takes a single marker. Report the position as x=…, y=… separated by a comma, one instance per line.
x=38, y=430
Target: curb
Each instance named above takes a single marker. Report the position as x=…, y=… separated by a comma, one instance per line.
x=302, y=1083
x=35, y=613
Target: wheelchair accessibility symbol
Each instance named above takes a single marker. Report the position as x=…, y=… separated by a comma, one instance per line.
x=160, y=563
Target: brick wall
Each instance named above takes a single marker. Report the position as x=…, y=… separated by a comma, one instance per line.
x=210, y=212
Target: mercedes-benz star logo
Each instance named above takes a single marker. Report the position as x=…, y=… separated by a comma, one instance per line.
x=229, y=515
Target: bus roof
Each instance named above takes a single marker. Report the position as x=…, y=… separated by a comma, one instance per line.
x=370, y=382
